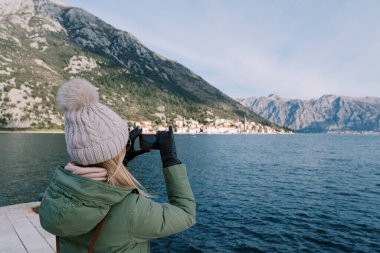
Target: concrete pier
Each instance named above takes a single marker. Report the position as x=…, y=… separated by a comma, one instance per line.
x=20, y=230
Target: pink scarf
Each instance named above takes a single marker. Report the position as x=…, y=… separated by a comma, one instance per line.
x=95, y=173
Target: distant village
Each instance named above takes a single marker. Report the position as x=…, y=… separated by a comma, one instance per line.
x=214, y=125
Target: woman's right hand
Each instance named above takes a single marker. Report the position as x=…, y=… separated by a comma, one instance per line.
x=168, y=150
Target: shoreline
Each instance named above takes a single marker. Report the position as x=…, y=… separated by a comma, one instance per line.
x=34, y=131
x=47, y=131
x=62, y=132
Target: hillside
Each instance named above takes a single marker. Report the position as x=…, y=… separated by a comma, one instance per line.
x=43, y=43
x=328, y=113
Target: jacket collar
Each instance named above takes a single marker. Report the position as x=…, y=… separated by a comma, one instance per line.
x=89, y=189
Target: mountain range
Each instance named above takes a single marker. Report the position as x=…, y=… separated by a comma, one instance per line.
x=328, y=113
x=43, y=43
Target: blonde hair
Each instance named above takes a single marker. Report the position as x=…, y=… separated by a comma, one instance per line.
x=118, y=174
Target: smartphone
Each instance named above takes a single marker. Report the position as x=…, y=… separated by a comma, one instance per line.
x=148, y=141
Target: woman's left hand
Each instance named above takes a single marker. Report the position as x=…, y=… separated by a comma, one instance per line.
x=95, y=173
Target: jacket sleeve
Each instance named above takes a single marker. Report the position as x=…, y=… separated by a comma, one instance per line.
x=150, y=219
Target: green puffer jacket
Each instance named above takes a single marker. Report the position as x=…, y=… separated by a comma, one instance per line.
x=72, y=206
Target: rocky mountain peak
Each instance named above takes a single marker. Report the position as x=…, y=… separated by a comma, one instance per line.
x=17, y=6
x=274, y=96
x=328, y=96
x=27, y=6
x=329, y=113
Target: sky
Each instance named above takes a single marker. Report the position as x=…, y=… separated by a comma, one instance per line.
x=299, y=49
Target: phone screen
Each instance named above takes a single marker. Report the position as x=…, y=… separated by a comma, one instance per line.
x=148, y=141
x=149, y=138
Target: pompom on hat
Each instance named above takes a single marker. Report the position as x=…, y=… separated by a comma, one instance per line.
x=93, y=132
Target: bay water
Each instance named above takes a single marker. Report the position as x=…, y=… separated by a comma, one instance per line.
x=254, y=193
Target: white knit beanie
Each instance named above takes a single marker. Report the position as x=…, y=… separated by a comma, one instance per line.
x=93, y=132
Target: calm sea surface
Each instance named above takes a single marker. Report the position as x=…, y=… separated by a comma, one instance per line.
x=255, y=193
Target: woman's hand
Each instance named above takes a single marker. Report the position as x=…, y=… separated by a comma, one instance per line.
x=95, y=173
x=131, y=152
x=168, y=150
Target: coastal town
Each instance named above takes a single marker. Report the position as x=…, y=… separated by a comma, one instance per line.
x=185, y=126
x=212, y=125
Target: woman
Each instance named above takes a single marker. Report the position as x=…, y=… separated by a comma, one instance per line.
x=115, y=215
